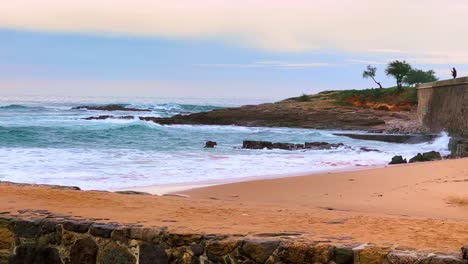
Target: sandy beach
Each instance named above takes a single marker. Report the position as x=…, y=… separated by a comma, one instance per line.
x=418, y=206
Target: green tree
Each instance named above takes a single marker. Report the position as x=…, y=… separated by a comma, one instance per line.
x=415, y=76
x=370, y=73
x=399, y=70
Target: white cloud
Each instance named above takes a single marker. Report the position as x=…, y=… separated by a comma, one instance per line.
x=384, y=26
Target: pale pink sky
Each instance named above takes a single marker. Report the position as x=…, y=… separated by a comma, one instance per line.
x=419, y=27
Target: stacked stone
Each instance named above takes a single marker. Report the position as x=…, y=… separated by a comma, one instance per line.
x=66, y=241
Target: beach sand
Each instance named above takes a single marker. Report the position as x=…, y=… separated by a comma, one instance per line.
x=418, y=206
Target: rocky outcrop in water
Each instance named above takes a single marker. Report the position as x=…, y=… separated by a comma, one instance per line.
x=210, y=144
x=104, y=117
x=250, y=144
x=320, y=112
x=392, y=138
x=427, y=156
x=398, y=160
x=111, y=107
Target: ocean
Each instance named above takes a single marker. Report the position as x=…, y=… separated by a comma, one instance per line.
x=43, y=140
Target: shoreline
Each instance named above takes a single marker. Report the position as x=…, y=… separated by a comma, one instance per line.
x=168, y=189
x=344, y=208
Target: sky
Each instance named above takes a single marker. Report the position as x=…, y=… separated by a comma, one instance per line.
x=222, y=49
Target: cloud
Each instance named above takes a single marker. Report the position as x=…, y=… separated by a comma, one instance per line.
x=386, y=26
x=269, y=64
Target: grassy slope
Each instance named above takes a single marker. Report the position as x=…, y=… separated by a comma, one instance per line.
x=388, y=98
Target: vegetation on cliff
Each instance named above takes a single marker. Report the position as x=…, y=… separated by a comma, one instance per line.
x=403, y=73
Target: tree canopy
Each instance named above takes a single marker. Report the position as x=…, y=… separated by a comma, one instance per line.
x=399, y=70
x=415, y=76
x=370, y=72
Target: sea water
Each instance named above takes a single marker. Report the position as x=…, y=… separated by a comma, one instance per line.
x=43, y=140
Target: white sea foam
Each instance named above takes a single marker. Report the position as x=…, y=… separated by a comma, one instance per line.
x=40, y=145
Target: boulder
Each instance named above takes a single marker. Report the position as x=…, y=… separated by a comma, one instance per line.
x=110, y=107
x=322, y=145
x=398, y=160
x=464, y=252
x=249, y=144
x=210, y=144
x=36, y=255
x=84, y=251
x=152, y=254
x=259, y=250
x=427, y=156
x=114, y=253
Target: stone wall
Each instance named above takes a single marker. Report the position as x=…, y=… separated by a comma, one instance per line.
x=443, y=105
x=54, y=241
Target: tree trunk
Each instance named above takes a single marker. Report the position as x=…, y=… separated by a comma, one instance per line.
x=380, y=86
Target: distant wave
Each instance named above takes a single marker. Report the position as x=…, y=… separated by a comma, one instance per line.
x=20, y=107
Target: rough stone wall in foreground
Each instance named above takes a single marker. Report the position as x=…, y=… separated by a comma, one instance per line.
x=50, y=241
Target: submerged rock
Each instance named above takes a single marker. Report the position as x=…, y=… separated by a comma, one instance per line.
x=427, y=156
x=210, y=144
x=104, y=117
x=398, y=160
x=111, y=107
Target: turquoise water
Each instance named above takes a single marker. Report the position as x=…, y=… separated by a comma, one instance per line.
x=43, y=140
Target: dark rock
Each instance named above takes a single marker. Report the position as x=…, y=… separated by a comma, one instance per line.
x=397, y=160
x=322, y=145
x=295, y=253
x=366, y=149
x=133, y=192
x=177, y=240
x=84, y=251
x=249, y=144
x=210, y=144
x=116, y=254
x=427, y=156
x=392, y=138
x=216, y=249
x=343, y=255
x=77, y=226
x=464, y=252
x=103, y=117
x=32, y=254
x=287, y=146
x=259, y=250
x=26, y=229
x=101, y=230
x=458, y=147
x=197, y=249
x=111, y=107
x=120, y=235
x=152, y=254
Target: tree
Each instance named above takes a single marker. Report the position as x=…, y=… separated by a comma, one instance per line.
x=415, y=76
x=370, y=73
x=399, y=70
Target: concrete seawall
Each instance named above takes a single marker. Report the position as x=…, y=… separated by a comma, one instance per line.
x=443, y=105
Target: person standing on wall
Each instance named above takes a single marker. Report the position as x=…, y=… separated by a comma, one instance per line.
x=454, y=73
